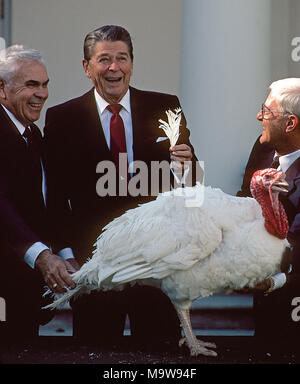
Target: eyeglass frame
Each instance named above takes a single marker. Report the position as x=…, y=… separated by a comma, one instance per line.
x=263, y=111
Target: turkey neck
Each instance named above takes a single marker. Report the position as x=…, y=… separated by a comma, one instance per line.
x=276, y=222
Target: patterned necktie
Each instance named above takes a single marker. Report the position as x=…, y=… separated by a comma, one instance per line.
x=32, y=163
x=275, y=163
x=28, y=137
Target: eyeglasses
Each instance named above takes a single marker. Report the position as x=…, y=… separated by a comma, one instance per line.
x=268, y=114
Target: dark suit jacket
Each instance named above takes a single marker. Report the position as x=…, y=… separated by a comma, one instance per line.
x=261, y=157
x=74, y=144
x=22, y=210
x=291, y=203
x=272, y=313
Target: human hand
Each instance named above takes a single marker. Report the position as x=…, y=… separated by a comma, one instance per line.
x=181, y=152
x=55, y=271
x=262, y=286
x=74, y=264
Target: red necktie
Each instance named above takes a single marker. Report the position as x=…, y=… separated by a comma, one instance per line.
x=117, y=133
x=118, y=143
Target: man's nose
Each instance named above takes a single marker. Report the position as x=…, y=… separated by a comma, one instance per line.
x=259, y=115
x=42, y=92
x=114, y=66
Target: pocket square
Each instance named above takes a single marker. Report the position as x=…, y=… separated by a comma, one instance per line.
x=161, y=139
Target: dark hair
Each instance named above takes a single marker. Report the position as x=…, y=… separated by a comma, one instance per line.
x=106, y=33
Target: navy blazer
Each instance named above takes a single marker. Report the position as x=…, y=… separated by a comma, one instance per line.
x=74, y=143
x=291, y=203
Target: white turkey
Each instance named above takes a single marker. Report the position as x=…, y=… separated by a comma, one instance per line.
x=191, y=251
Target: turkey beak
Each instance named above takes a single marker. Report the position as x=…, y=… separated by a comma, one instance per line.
x=279, y=186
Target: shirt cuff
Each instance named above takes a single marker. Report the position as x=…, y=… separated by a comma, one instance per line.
x=66, y=253
x=33, y=252
x=279, y=280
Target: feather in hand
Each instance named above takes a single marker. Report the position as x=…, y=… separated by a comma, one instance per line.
x=171, y=128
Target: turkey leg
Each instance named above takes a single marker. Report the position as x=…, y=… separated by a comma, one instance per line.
x=196, y=346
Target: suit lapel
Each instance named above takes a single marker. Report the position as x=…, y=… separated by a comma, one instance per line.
x=136, y=115
x=292, y=175
x=91, y=127
x=9, y=133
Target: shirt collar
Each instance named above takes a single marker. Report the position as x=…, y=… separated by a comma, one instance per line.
x=16, y=122
x=102, y=104
x=286, y=161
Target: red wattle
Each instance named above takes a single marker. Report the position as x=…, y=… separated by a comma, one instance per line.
x=276, y=222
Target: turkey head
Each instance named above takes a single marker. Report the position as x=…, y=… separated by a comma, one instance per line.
x=265, y=187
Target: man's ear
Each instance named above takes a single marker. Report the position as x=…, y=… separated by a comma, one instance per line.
x=2, y=91
x=85, y=65
x=292, y=123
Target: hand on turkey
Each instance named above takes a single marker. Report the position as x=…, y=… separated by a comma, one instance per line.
x=55, y=271
x=74, y=264
x=261, y=287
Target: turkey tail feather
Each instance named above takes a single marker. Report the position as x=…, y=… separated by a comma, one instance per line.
x=65, y=297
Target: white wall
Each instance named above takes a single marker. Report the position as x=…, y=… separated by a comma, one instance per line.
x=57, y=28
x=225, y=70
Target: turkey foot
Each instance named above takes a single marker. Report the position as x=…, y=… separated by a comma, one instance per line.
x=198, y=347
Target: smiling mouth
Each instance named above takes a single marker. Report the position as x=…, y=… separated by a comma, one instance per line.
x=113, y=80
x=36, y=105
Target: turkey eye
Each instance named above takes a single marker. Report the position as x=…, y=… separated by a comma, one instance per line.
x=267, y=177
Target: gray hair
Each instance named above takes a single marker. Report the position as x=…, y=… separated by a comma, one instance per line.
x=287, y=93
x=106, y=33
x=12, y=57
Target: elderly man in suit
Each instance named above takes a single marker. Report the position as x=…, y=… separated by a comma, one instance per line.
x=279, y=146
x=80, y=136
x=26, y=261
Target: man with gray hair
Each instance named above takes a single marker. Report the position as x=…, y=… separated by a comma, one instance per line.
x=279, y=147
x=24, y=256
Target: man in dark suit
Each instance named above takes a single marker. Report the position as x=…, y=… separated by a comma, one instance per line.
x=79, y=141
x=280, y=140
x=25, y=258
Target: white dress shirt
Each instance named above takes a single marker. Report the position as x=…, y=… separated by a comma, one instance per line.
x=286, y=161
x=125, y=113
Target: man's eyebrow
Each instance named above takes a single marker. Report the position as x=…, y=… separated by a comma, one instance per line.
x=35, y=82
x=108, y=54
x=123, y=53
